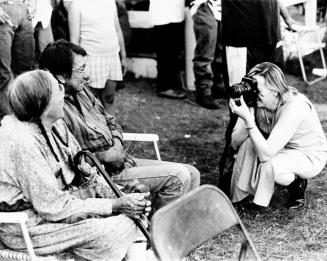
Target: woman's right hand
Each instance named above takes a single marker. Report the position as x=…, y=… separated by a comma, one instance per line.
x=134, y=205
x=242, y=110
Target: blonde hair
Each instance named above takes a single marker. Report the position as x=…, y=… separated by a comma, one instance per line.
x=30, y=94
x=274, y=76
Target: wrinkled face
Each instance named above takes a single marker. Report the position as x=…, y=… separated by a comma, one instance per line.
x=79, y=78
x=55, y=108
x=267, y=98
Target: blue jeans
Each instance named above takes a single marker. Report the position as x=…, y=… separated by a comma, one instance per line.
x=167, y=180
x=16, y=48
x=208, y=51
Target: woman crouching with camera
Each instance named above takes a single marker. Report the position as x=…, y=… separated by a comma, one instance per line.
x=280, y=141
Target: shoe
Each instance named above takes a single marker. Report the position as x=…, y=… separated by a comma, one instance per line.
x=297, y=194
x=219, y=94
x=173, y=94
x=206, y=101
x=256, y=208
x=120, y=85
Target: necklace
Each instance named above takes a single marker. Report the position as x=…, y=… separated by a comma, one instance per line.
x=271, y=121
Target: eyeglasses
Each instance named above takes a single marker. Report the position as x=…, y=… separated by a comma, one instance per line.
x=80, y=70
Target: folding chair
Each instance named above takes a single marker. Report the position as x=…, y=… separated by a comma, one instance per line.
x=191, y=220
x=304, y=41
x=8, y=254
x=135, y=137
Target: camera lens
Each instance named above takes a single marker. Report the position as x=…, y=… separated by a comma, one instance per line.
x=246, y=88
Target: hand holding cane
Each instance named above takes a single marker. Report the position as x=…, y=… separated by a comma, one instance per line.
x=112, y=185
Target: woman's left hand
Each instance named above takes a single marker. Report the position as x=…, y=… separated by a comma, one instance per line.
x=241, y=110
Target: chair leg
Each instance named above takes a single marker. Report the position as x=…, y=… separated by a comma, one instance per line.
x=157, y=150
x=131, y=147
x=323, y=61
x=28, y=242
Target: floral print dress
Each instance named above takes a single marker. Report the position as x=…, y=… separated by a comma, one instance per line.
x=29, y=172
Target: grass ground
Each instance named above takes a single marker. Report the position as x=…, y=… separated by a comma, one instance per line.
x=191, y=134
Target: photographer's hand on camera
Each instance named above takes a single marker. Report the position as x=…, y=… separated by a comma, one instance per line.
x=134, y=205
x=243, y=111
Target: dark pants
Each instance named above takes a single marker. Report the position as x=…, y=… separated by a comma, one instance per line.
x=16, y=48
x=169, y=39
x=257, y=55
x=208, y=50
x=268, y=53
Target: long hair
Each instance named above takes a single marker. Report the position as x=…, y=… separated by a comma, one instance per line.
x=30, y=94
x=273, y=75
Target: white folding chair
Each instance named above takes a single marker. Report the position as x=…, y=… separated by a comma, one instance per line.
x=306, y=40
x=8, y=254
x=135, y=137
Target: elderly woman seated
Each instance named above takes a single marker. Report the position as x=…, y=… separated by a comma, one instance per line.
x=296, y=147
x=37, y=176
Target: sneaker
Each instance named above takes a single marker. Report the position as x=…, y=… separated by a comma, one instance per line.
x=206, y=101
x=297, y=194
x=173, y=94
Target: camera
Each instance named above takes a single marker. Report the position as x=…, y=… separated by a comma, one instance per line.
x=248, y=87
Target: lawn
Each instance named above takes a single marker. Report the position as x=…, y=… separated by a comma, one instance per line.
x=191, y=134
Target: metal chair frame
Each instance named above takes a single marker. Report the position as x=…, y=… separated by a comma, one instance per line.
x=181, y=226
x=303, y=49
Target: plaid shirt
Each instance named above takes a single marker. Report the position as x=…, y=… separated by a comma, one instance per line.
x=214, y=5
x=91, y=125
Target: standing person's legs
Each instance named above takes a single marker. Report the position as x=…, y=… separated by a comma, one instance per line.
x=175, y=49
x=107, y=95
x=235, y=66
x=206, y=34
x=6, y=35
x=218, y=88
x=43, y=36
x=168, y=54
x=16, y=48
x=268, y=53
x=276, y=56
x=23, y=48
x=104, y=72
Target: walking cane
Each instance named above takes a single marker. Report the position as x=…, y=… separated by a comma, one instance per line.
x=112, y=185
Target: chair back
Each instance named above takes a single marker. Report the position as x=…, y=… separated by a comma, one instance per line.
x=191, y=220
